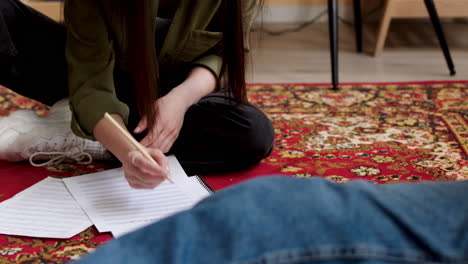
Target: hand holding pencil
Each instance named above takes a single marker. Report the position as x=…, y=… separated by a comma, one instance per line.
x=148, y=167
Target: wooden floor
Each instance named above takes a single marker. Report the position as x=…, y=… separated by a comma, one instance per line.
x=411, y=53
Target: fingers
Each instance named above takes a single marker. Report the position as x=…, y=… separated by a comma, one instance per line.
x=142, y=125
x=162, y=140
x=148, y=140
x=151, y=139
x=136, y=179
x=162, y=136
x=136, y=185
x=168, y=142
x=160, y=158
x=142, y=173
x=154, y=138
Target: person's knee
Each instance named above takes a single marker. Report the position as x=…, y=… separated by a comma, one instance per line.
x=258, y=141
x=12, y=13
x=10, y=7
x=5, y=6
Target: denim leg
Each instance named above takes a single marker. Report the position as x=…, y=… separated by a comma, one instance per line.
x=285, y=220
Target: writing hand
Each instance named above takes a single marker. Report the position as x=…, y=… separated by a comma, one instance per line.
x=142, y=173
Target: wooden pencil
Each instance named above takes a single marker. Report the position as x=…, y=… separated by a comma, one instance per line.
x=132, y=140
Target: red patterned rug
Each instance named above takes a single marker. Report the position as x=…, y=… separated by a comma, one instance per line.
x=384, y=133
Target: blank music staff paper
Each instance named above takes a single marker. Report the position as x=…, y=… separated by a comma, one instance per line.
x=113, y=206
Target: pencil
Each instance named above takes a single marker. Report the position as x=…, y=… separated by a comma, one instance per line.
x=130, y=138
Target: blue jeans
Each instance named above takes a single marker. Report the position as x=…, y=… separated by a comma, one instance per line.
x=286, y=220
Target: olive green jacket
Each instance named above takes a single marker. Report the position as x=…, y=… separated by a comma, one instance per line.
x=95, y=45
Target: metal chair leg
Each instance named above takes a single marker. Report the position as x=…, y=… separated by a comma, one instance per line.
x=431, y=8
x=333, y=27
x=358, y=24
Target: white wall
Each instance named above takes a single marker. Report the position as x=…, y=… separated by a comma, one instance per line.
x=298, y=14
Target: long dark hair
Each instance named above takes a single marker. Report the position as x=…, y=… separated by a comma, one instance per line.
x=233, y=67
x=143, y=64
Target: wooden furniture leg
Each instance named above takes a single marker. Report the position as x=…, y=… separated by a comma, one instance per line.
x=52, y=9
x=384, y=26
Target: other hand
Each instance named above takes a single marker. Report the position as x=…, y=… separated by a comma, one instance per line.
x=169, y=119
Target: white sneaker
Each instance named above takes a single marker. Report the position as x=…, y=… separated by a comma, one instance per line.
x=26, y=136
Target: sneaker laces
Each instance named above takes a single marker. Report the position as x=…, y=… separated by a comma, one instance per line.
x=57, y=157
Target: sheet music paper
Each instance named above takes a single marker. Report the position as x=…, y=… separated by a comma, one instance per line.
x=114, y=206
x=46, y=210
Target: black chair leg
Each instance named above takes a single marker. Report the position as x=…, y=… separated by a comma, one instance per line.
x=333, y=24
x=431, y=8
x=358, y=24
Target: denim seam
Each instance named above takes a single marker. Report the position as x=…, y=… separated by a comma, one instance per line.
x=328, y=253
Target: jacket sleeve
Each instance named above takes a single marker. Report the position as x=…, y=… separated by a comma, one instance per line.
x=90, y=57
x=213, y=62
x=250, y=8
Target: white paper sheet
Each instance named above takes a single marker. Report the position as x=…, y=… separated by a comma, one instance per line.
x=114, y=206
x=46, y=210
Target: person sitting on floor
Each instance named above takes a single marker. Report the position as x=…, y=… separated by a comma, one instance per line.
x=171, y=72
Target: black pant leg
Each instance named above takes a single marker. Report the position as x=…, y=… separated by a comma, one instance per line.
x=217, y=136
x=32, y=53
x=220, y=136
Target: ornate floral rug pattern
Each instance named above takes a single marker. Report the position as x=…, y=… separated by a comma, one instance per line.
x=384, y=133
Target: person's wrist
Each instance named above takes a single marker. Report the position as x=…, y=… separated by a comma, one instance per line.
x=183, y=96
